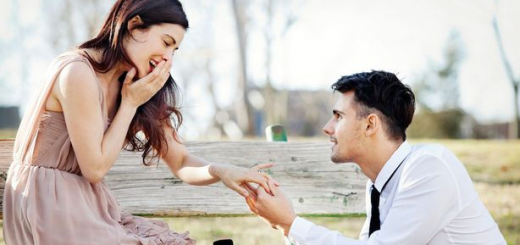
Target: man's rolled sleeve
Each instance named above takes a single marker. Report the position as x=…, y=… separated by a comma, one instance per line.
x=299, y=229
x=304, y=232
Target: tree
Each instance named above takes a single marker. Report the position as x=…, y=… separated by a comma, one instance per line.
x=275, y=109
x=243, y=106
x=437, y=96
x=72, y=22
x=514, y=128
x=56, y=29
x=14, y=82
x=274, y=102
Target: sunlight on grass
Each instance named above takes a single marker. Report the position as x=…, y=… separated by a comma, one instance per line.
x=495, y=161
x=252, y=230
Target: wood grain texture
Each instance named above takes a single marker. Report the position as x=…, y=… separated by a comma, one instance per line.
x=304, y=170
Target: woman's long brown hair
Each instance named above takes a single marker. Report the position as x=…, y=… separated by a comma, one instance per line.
x=161, y=108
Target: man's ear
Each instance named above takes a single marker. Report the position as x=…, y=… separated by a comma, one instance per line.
x=134, y=22
x=373, y=123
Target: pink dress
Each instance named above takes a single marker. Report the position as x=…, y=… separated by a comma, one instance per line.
x=46, y=199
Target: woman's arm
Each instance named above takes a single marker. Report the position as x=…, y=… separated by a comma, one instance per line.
x=78, y=94
x=197, y=171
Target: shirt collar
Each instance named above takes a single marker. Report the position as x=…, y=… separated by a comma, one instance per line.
x=392, y=163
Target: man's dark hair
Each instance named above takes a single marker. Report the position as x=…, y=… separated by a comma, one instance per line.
x=383, y=92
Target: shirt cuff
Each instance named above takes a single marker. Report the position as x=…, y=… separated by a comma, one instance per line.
x=299, y=229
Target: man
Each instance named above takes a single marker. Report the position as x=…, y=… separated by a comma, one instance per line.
x=415, y=194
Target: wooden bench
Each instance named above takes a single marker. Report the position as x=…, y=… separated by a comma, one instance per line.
x=316, y=185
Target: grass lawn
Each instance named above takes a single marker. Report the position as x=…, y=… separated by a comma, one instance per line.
x=7, y=133
x=493, y=165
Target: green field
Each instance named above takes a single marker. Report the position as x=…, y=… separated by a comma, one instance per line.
x=493, y=165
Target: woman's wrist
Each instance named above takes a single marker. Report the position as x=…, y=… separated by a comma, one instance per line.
x=127, y=107
x=216, y=170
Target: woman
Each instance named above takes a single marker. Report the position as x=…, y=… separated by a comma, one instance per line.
x=82, y=118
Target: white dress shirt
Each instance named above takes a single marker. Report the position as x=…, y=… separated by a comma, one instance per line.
x=429, y=200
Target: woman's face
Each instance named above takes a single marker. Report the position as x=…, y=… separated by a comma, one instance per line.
x=146, y=48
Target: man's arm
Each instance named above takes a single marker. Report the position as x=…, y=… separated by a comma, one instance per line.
x=278, y=211
x=304, y=232
x=426, y=201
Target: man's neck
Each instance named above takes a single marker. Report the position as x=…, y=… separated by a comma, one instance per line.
x=376, y=158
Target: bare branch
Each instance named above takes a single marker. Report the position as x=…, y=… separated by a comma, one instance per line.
x=503, y=55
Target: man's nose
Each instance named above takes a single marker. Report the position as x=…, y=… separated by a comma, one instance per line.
x=328, y=129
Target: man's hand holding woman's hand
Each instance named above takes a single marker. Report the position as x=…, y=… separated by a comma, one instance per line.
x=239, y=179
x=274, y=207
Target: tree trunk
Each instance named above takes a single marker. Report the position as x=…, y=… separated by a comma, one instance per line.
x=275, y=109
x=269, y=93
x=243, y=109
x=514, y=129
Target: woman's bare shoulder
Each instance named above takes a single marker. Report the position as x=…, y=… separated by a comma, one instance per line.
x=76, y=78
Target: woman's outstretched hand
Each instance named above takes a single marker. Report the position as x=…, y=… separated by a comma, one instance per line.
x=136, y=93
x=239, y=179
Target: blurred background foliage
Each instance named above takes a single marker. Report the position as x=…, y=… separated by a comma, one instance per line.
x=245, y=65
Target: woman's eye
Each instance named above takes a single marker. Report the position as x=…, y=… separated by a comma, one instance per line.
x=166, y=44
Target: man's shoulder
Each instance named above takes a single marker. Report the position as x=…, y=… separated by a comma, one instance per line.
x=434, y=158
x=434, y=150
x=432, y=155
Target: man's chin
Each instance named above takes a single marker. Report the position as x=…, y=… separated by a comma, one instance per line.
x=337, y=159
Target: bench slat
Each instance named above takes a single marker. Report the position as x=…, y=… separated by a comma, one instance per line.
x=304, y=170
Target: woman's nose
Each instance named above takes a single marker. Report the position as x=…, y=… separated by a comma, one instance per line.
x=168, y=54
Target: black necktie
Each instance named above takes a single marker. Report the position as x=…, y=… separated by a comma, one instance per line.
x=375, y=223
